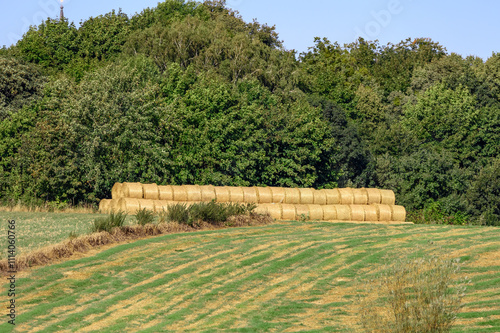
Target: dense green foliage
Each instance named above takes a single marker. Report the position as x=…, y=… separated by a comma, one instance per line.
x=189, y=93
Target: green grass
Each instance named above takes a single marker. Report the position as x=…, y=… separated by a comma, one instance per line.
x=289, y=276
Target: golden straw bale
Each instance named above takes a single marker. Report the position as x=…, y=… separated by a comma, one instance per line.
x=250, y=194
x=222, y=194
x=332, y=196
x=343, y=212
x=384, y=212
x=114, y=206
x=357, y=213
x=306, y=196
x=320, y=197
x=387, y=197
x=292, y=196
x=129, y=205
x=360, y=196
x=166, y=192
x=273, y=209
x=150, y=191
x=346, y=196
x=193, y=192
x=398, y=213
x=374, y=196
x=147, y=204
x=117, y=191
x=264, y=195
x=207, y=193
x=316, y=212
x=160, y=205
x=104, y=206
x=132, y=190
x=302, y=212
x=235, y=194
x=278, y=194
x=179, y=193
x=288, y=212
x=329, y=213
x=370, y=213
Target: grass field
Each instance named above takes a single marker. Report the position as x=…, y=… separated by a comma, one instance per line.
x=278, y=278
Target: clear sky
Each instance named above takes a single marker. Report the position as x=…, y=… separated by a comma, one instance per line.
x=463, y=27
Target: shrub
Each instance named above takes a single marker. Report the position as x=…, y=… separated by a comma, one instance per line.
x=213, y=212
x=144, y=217
x=416, y=297
x=108, y=223
x=178, y=213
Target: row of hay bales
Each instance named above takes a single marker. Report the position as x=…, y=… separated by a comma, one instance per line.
x=342, y=204
x=373, y=212
x=259, y=195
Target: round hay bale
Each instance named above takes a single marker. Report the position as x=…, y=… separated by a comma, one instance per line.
x=235, y=194
x=374, y=196
x=268, y=208
x=179, y=193
x=114, y=206
x=147, y=204
x=357, y=213
x=330, y=213
x=398, y=213
x=346, y=196
x=288, y=212
x=264, y=194
x=129, y=205
x=250, y=194
x=160, y=205
x=370, y=213
x=207, y=193
x=166, y=192
x=292, y=196
x=384, y=212
x=306, y=196
x=222, y=194
x=302, y=212
x=315, y=212
x=117, y=191
x=343, y=212
x=150, y=191
x=320, y=197
x=360, y=196
x=132, y=190
x=387, y=197
x=278, y=194
x=104, y=206
x=193, y=192
x=332, y=196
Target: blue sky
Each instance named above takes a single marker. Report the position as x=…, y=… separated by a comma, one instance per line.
x=463, y=27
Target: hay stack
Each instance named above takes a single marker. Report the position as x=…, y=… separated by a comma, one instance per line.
x=320, y=197
x=166, y=192
x=105, y=206
x=398, y=213
x=114, y=206
x=278, y=194
x=360, y=196
x=387, y=197
x=179, y=193
x=117, y=191
x=370, y=213
x=374, y=196
x=384, y=212
x=332, y=196
x=193, y=192
x=346, y=196
x=264, y=194
x=306, y=196
x=132, y=190
x=207, y=193
x=235, y=194
x=160, y=205
x=292, y=196
x=222, y=194
x=357, y=212
x=129, y=205
x=269, y=208
x=147, y=204
x=343, y=212
x=302, y=212
x=330, y=213
x=150, y=191
x=288, y=212
x=316, y=212
x=250, y=195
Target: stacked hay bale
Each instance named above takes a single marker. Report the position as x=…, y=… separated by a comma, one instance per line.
x=341, y=204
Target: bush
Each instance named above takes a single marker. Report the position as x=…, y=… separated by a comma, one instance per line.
x=416, y=297
x=109, y=222
x=144, y=217
x=177, y=213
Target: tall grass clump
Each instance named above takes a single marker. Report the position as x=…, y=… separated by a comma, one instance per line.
x=109, y=222
x=414, y=296
x=213, y=212
x=177, y=213
x=144, y=216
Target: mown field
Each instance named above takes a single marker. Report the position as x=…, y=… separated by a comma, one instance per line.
x=286, y=277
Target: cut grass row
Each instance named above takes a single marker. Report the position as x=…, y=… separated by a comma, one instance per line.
x=288, y=276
